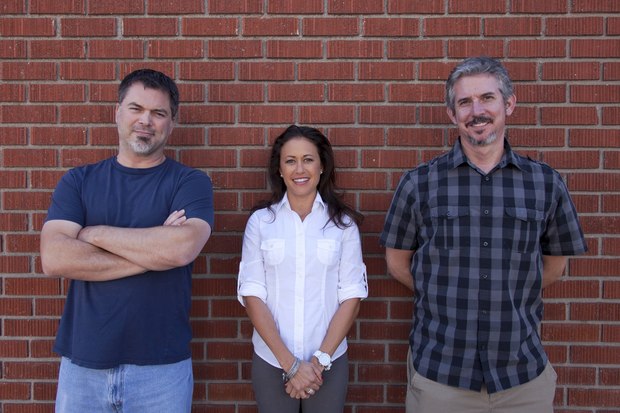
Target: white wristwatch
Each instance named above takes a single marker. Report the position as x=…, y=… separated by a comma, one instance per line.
x=324, y=359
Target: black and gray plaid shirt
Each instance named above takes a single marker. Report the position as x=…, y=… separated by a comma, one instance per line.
x=477, y=267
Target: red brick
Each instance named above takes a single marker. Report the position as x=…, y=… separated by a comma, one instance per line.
x=13, y=7
x=452, y=26
x=421, y=92
x=537, y=48
x=21, y=243
x=235, y=7
x=595, y=48
x=415, y=7
x=513, y=26
x=12, y=179
x=326, y=71
x=12, y=49
x=613, y=26
x=46, y=92
x=386, y=71
x=355, y=7
x=575, y=26
x=576, y=375
x=266, y=114
x=414, y=137
x=387, y=159
x=27, y=27
x=44, y=179
x=611, y=246
x=188, y=49
x=209, y=158
x=573, y=159
x=87, y=71
x=265, y=26
x=595, y=311
x=390, y=27
x=220, y=49
x=116, y=7
x=236, y=136
x=150, y=26
x=10, y=348
x=294, y=49
x=57, y=7
x=88, y=27
x=530, y=137
x=209, y=26
x=76, y=157
x=28, y=71
x=87, y=114
x=603, y=138
x=465, y=48
x=13, y=222
x=333, y=114
x=295, y=7
x=595, y=93
x=30, y=370
x=58, y=49
x=329, y=26
x=345, y=92
x=222, y=92
x=16, y=307
x=595, y=6
x=570, y=70
x=360, y=136
x=610, y=377
x=477, y=6
x=296, y=93
x=568, y=115
x=14, y=391
x=207, y=71
x=12, y=136
x=176, y=7
x=383, y=373
x=361, y=180
x=540, y=7
x=592, y=267
x=207, y=114
x=13, y=92
x=27, y=114
x=561, y=332
x=611, y=115
x=594, y=397
x=415, y=49
x=522, y=70
x=431, y=115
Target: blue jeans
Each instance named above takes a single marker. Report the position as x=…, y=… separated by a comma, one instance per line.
x=127, y=388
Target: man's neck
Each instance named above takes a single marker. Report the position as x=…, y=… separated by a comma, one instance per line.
x=485, y=157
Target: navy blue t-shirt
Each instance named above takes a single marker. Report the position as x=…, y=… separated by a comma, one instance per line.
x=142, y=319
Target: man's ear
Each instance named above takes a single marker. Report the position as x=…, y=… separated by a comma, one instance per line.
x=511, y=103
x=451, y=115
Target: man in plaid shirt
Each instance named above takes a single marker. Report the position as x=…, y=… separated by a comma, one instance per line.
x=476, y=234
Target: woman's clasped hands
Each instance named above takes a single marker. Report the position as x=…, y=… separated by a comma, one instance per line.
x=306, y=382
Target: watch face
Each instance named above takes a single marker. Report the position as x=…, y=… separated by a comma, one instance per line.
x=324, y=359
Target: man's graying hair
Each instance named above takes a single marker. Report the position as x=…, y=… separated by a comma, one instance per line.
x=476, y=66
x=151, y=79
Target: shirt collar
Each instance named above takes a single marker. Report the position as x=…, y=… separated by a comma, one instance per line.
x=318, y=202
x=456, y=156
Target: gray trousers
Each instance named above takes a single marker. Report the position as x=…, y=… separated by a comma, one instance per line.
x=271, y=395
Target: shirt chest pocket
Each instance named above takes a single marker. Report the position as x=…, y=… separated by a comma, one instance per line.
x=523, y=229
x=451, y=226
x=273, y=251
x=327, y=251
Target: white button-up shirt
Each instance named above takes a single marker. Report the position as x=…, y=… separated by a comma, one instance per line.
x=302, y=270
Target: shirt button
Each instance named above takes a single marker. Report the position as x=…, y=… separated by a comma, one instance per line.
x=486, y=212
x=486, y=244
x=484, y=276
x=486, y=178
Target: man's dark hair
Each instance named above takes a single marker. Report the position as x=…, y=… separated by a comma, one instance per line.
x=151, y=79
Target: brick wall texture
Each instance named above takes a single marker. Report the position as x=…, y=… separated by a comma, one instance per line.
x=371, y=75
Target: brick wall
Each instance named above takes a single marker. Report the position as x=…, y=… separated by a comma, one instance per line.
x=371, y=74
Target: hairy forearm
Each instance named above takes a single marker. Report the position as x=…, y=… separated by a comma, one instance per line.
x=156, y=248
x=67, y=257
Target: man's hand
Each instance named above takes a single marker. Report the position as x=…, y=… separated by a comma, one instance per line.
x=176, y=218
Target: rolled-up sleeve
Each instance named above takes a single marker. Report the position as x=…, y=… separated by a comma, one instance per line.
x=251, y=279
x=352, y=280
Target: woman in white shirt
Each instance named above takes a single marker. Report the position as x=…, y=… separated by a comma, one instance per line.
x=301, y=279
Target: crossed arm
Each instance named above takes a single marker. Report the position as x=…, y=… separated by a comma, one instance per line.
x=102, y=253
